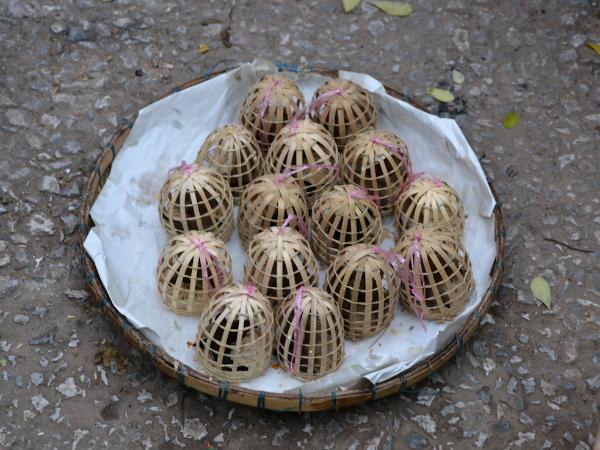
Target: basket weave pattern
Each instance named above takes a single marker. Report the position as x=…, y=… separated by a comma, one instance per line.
x=308, y=150
x=278, y=262
x=270, y=105
x=344, y=109
x=431, y=202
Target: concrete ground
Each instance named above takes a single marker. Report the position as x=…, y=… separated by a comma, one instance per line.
x=73, y=71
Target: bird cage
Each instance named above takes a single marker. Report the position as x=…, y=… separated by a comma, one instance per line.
x=310, y=334
x=341, y=217
x=235, y=334
x=429, y=201
x=365, y=285
x=233, y=152
x=196, y=199
x=437, y=280
x=307, y=152
x=278, y=261
x=377, y=161
x=270, y=105
x=190, y=269
x=344, y=108
x=267, y=202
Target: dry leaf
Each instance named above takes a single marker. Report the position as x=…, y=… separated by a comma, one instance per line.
x=202, y=48
x=594, y=46
x=394, y=8
x=349, y=5
x=442, y=95
x=511, y=119
x=541, y=291
x=458, y=77
x=107, y=354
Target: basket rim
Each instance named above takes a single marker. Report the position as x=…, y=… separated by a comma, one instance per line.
x=296, y=402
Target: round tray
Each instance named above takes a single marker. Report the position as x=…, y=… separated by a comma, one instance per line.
x=260, y=399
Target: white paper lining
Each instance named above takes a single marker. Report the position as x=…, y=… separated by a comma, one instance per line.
x=127, y=238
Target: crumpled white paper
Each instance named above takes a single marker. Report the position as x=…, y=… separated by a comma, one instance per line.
x=127, y=237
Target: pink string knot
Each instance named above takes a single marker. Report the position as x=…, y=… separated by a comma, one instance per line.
x=299, y=222
x=395, y=259
x=363, y=195
x=414, y=279
x=262, y=110
x=205, y=254
x=324, y=97
x=185, y=168
x=296, y=325
x=293, y=170
x=249, y=288
x=391, y=147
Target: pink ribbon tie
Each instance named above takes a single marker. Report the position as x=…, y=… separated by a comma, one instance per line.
x=414, y=278
x=205, y=254
x=296, y=325
x=293, y=170
x=262, y=110
x=324, y=97
x=293, y=218
x=185, y=168
x=362, y=195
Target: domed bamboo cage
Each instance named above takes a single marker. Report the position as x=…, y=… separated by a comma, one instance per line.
x=365, y=285
x=344, y=108
x=190, y=269
x=196, y=199
x=270, y=105
x=310, y=334
x=233, y=152
x=437, y=280
x=235, y=335
x=344, y=216
x=267, y=202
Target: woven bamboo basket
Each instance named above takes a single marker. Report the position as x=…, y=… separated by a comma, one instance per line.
x=190, y=269
x=267, y=202
x=377, y=161
x=194, y=379
x=278, y=261
x=310, y=334
x=235, y=335
x=365, y=285
x=270, y=105
x=233, y=152
x=344, y=109
x=431, y=202
x=342, y=217
x=196, y=199
x=307, y=152
x=437, y=280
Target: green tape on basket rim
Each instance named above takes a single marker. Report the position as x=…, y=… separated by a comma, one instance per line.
x=261, y=400
x=223, y=390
